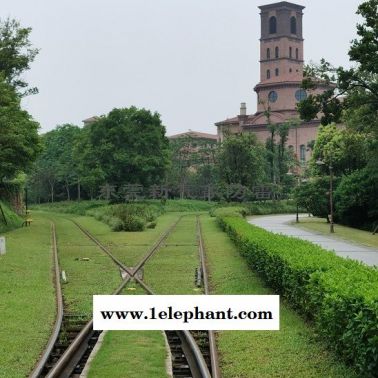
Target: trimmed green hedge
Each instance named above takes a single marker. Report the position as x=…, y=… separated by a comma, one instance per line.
x=339, y=295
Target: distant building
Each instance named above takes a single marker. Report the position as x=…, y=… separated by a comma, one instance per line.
x=281, y=74
x=90, y=120
x=195, y=135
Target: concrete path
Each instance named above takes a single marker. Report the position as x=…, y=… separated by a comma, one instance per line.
x=279, y=224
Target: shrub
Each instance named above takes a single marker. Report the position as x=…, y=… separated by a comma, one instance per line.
x=236, y=211
x=339, y=295
x=134, y=223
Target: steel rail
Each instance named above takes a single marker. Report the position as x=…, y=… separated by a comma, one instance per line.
x=59, y=305
x=69, y=359
x=72, y=355
x=215, y=370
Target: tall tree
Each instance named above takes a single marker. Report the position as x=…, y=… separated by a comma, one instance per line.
x=240, y=160
x=131, y=146
x=16, y=54
x=19, y=142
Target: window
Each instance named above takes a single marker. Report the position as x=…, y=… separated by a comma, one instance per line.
x=290, y=52
x=296, y=54
x=293, y=25
x=300, y=95
x=272, y=25
x=290, y=70
x=277, y=72
x=302, y=152
x=267, y=53
x=277, y=52
x=272, y=97
x=268, y=74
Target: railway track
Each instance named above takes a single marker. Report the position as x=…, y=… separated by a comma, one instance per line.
x=69, y=360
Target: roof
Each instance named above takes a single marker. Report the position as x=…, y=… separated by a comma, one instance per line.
x=228, y=121
x=281, y=4
x=195, y=134
x=91, y=119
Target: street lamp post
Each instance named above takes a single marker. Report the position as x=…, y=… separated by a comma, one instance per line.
x=321, y=162
x=297, y=206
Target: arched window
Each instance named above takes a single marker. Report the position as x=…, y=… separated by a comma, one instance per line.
x=296, y=54
x=277, y=52
x=267, y=53
x=277, y=71
x=268, y=74
x=293, y=25
x=290, y=52
x=272, y=25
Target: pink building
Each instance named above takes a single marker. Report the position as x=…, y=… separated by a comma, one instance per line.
x=281, y=74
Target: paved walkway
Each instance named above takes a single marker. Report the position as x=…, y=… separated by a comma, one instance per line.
x=279, y=224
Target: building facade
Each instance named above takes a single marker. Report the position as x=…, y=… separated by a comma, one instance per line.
x=281, y=74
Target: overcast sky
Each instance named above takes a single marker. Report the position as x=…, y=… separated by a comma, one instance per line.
x=193, y=61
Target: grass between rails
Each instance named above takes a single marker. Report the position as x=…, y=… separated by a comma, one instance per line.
x=128, y=247
x=131, y=354
x=342, y=232
x=170, y=271
x=291, y=352
x=27, y=298
x=98, y=275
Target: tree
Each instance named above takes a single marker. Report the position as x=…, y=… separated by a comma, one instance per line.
x=359, y=84
x=240, y=160
x=16, y=54
x=130, y=146
x=356, y=200
x=345, y=149
x=19, y=141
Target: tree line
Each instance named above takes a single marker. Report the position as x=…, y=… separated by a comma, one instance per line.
x=349, y=152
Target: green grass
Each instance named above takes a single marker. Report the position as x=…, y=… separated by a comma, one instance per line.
x=72, y=207
x=99, y=275
x=27, y=298
x=342, y=232
x=169, y=271
x=131, y=354
x=128, y=247
x=291, y=352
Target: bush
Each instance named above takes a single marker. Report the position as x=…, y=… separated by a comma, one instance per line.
x=339, y=295
x=356, y=201
x=235, y=211
x=12, y=219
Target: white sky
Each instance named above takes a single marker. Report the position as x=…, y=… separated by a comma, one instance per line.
x=193, y=61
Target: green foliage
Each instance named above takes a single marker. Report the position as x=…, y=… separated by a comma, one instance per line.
x=313, y=195
x=339, y=295
x=12, y=219
x=356, y=201
x=19, y=142
x=16, y=53
x=130, y=146
x=71, y=207
x=271, y=207
x=231, y=211
x=240, y=160
x=127, y=217
x=344, y=149
x=293, y=350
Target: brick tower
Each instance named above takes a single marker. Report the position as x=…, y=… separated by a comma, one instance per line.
x=281, y=57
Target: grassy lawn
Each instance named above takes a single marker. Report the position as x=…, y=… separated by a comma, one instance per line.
x=98, y=275
x=342, y=232
x=27, y=298
x=291, y=352
x=170, y=271
x=131, y=354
